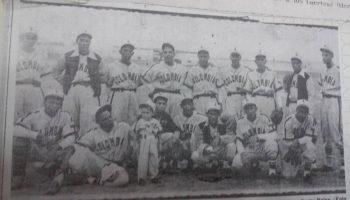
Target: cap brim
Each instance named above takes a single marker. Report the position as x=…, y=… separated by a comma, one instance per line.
x=248, y=104
x=326, y=50
x=106, y=107
x=127, y=45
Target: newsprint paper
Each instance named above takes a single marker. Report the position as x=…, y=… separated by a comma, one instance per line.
x=156, y=99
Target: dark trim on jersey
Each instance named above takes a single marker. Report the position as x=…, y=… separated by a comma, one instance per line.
x=143, y=76
x=25, y=116
x=278, y=89
x=69, y=134
x=284, y=127
x=191, y=87
x=22, y=125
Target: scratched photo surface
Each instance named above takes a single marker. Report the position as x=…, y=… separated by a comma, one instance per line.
x=128, y=104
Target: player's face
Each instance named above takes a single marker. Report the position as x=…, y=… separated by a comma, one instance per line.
x=105, y=120
x=168, y=55
x=146, y=113
x=250, y=110
x=327, y=57
x=260, y=62
x=188, y=108
x=203, y=59
x=296, y=64
x=235, y=59
x=84, y=44
x=213, y=116
x=302, y=113
x=52, y=105
x=126, y=53
x=161, y=104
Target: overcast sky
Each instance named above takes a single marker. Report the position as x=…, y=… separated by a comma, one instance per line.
x=220, y=37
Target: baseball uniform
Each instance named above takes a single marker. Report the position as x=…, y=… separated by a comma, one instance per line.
x=188, y=125
x=29, y=95
x=301, y=86
x=82, y=84
x=330, y=110
x=112, y=146
x=124, y=81
x=292, y=133
x=148, y=161
x=234, y=80
x=204, y=85
x=258, y=138
x=264, y=90
x=168, y=79
x=222, y=143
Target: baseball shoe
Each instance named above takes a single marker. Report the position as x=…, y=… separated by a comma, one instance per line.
x=55, y=185
x=155, y=180
x=142, y=182
x=307, y=176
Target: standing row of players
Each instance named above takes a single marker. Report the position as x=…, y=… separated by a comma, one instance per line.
x=83, y=77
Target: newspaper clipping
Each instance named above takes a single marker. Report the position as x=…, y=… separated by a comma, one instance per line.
x=157, y=100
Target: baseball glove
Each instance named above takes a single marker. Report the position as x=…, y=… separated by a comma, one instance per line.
x=185, y=136
x=276, y=117
x=293, y=156
x=299, y=133
x=230, y=123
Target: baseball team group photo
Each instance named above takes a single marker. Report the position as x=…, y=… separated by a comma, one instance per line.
x=142, y=103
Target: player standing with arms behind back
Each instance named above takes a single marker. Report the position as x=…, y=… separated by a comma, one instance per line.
x=205, y=82
x=264, y=87
x=330, y=110
x=234, y=78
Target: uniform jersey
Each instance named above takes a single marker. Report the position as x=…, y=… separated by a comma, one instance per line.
x=122, y=76
x=330, y=81
x=29, y=66
x=234, y=78
x=111, y=146
x=52, y=129
x=292, y=126
x=293, y=95
x=151, y=126
x=189, y=124
x=166, y=77
x=267, y=80
x=246, y=128
x=202, y=80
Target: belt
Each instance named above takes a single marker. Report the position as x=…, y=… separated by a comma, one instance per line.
x=123, y=89
x=83, y=83
x=45, y=74
x=292, y=101
x=158, y=90
x=235, y=93
x=263, y=95
x=204, y=95
x=330, y=96
x=32, y=82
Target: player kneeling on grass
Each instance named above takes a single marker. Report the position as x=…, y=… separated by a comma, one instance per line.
x=47, y=131
x=256, y=141
x=213, y=144
x=298, y=144
x=147, y=129
x=168, y=137
x=96, y=154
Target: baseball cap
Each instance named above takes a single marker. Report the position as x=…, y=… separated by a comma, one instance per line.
x=84, y=34
x=248, y=102
x=303, y=102
x=235, y=52
x=159, y=95
x=148, y=104
x=101, y=109
x=202, y=50
x=186, y=99
x=296, y=57
x=128, y=44
x=54, y=92
x=260, y=54
x=30, y=34
x=166, y=44
x=213, y=106
x=325, y=48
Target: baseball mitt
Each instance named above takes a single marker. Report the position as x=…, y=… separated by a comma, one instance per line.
x=276, y=117
x=293, y=156
x=230, y=123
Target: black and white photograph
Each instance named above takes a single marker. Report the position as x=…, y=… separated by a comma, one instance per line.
x=129, y=104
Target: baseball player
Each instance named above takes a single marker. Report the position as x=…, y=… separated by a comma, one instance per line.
x=147, y=129
x=205, y=82
x=298, y=143
x=234, y=78
x=168, y=77
x=30, y=65
x=99, y=153
x=263, y=87
x=50, y=130
x=81, y=81
x=188, y=121
x=256, y=140
x=330, y=109
x=212, y=143
x=124, y=77
x=299, y=84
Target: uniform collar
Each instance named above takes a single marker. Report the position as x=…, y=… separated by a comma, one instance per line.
x=90, y=55
x=301, y=73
